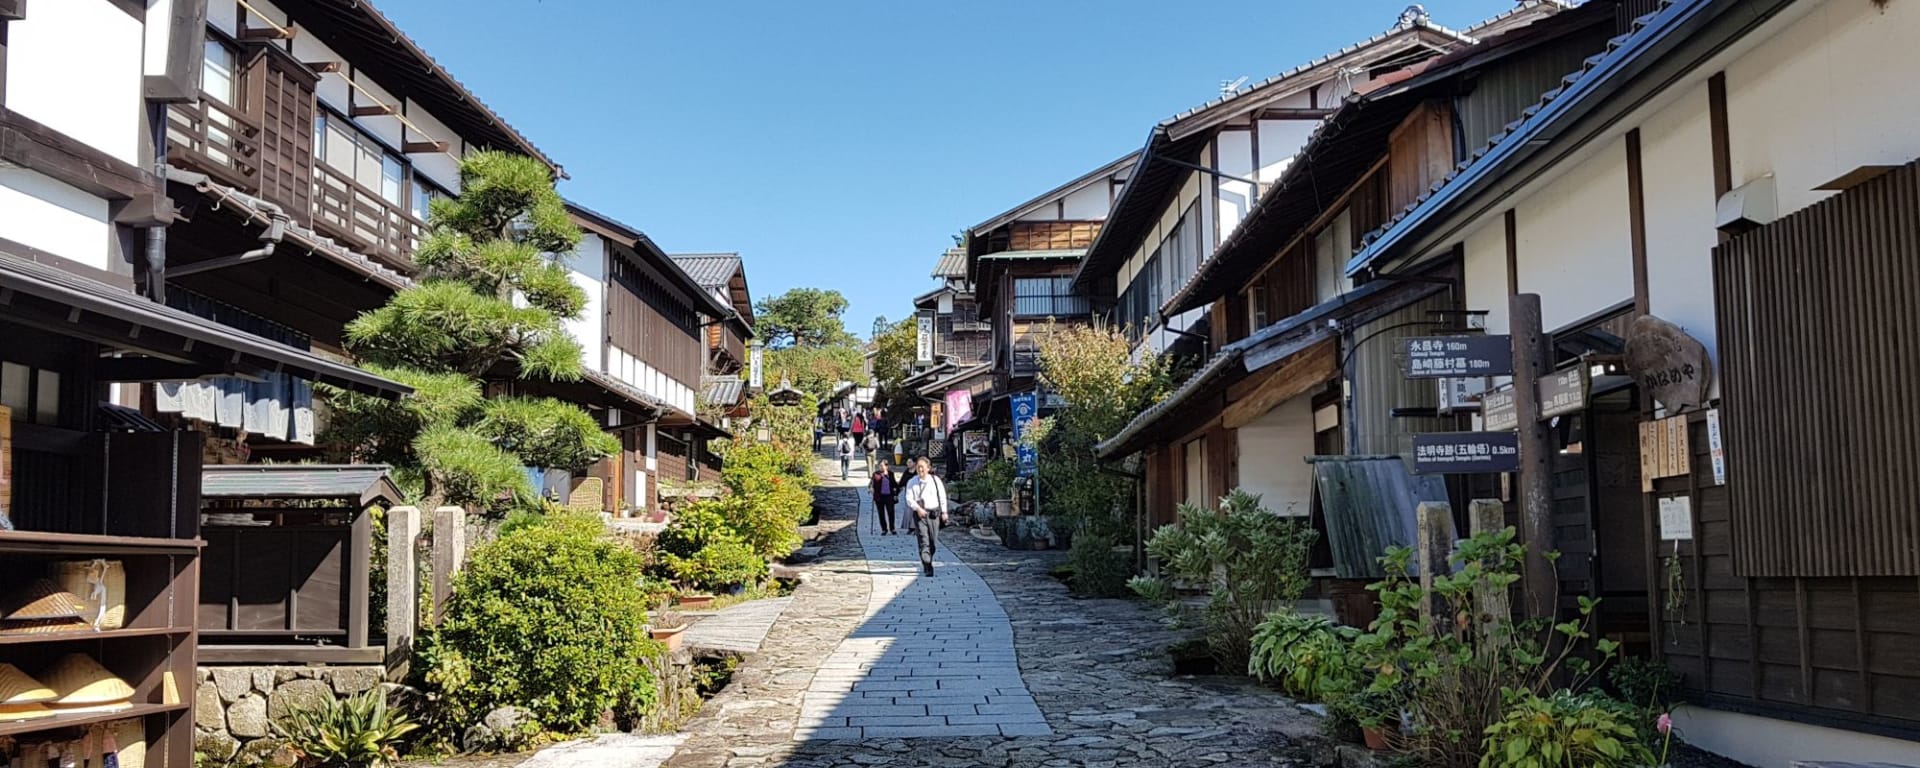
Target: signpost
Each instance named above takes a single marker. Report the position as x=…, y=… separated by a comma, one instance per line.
x=1560, y=393
x=1497, y=413
x=1458, y=453
x=1437, y=357
x=1026, y=408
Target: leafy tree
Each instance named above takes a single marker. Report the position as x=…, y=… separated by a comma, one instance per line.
x=803, y=317
x=1093, y=370
x=489, y=304
x=894, y=348
x=816, y=370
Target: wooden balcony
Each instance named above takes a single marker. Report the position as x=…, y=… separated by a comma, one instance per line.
x=347, y=211
x=216, y=139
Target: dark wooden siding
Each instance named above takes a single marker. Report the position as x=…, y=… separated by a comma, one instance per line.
x=1819, y=334
x=653, y=324
x=280, y=94
x=1421, y=153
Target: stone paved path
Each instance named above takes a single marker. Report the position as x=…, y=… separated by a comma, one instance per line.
x=738, y=629
x=933, y=656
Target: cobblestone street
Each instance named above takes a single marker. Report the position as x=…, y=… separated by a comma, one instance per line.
x=988, y=663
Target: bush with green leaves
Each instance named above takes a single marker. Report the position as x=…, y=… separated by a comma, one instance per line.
x=991, y=482
x=766, y=500
x=549, y=617
x=1310, y=656
x=1250, y=561
x=1099, y=570
x=360, y=731
x=701, y=549
x=1562, y=729
x=1457, y=668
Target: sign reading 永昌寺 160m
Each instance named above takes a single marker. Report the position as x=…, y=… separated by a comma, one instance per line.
x=1433, y=357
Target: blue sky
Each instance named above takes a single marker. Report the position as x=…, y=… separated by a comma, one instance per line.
x=840, y=144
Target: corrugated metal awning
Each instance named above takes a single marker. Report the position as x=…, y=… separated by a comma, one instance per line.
x=1370, y=504
x=364, y=483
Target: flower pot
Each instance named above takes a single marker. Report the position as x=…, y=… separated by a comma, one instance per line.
x=695, y=602
x=1376, y=737
x=669, y=636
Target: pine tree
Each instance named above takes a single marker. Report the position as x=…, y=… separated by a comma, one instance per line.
x=488, y=305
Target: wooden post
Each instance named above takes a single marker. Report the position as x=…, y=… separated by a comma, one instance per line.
x=403, y=534
x=1533, y=358
x=1433, y=545
x=359, y=578
x=1492, y=605
x=449, y=554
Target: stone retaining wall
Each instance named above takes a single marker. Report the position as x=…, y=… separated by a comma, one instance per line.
x=235, y=706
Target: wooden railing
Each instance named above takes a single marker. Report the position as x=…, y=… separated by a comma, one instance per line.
x=216, y=139
x=346, y=210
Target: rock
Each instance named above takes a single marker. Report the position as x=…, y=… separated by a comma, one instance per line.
x=283, y=676
x=266, y=753
x=216, y=745
x=403, y=697
x=233, y=683
x=247, y=718
x=352, y=680
x=298, y=694
x=263, y=680
x=476, y=739
x=201, y=675
x=208, y=712
x=504, y=729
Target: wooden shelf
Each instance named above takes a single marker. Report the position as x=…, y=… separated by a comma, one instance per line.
x=67, y=721
x=88, y=634
x=42, y=543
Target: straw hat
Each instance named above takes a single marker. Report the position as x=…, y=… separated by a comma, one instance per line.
x=17, y=712
x=40, y=599
x=17, y=688
x=79, y=681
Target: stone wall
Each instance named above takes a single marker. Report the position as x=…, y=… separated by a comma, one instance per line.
x=234, y=708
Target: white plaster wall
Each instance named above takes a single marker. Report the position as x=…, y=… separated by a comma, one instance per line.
x=43, y=213
x=1485, y=268
x=224, y=15
x=1271, y=448
x=587, y=268
x=1236, y=159
x=1768, y=743
x=1677, y=161
x=1574, y=248
x=332, y=89
x=1846, y=69
x=441, y=167
x=266, y=9
x=385, y=127
x=1090, y=202
x=159, y=28
x=76, y=67
x=1279, y=140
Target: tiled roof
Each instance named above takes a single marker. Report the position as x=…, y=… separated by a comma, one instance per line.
x=297, y=235
x=361, y=482
x=710, y=270
x=725, y=390
x=1620, y=50
x=953, y=263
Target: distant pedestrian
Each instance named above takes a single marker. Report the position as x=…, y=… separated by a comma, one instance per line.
x=886, y=489
x=926, y=496
x=859, y=427
x=871, y=447
x=846, y=455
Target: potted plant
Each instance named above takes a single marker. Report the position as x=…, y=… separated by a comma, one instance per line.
x=666, y=628
x=693, y=602
x=1378, y=714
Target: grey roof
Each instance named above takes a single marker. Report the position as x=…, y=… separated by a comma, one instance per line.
x=1123, y=163
x=364, y=483
x=243, y=204
x=81, y=296
x=953, y=263
x=710, y=270
x=1221, y=367
x=947, y=382
x=725, y=390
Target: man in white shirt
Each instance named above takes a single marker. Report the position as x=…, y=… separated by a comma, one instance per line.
x=926, y=497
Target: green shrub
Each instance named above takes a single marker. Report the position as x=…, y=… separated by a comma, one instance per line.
x=1098, y=571
x=701, y=549
x=357, y=732
x=1563, y=729
x=1310, y=656
x=550, y=618
x=766, y=500
x=991, y=482
x=1251, y=561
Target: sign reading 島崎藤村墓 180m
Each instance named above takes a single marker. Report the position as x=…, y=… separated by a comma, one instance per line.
x=1434, y=357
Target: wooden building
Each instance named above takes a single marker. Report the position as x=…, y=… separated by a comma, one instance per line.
x=1202, y=169
x=1729, y=168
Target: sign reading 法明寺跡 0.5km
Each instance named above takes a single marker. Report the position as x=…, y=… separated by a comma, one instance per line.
x=1435, y=357
x=1458, y=453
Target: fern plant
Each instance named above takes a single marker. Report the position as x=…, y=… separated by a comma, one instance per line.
x=355, y=732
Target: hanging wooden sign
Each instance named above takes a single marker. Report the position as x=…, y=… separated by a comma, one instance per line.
x=1664, y=450
x=1563, y=392
x=1497, y=412
x=1669, y=364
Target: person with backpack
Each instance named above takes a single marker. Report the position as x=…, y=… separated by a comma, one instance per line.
x=846, y=455
x=871, y=446
x=926, y=497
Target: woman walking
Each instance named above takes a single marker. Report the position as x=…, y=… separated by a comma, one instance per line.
x=886, y=488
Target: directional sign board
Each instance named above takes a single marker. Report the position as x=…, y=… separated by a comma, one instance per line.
x=1563, y=392
x=1497, y=412
x=1458, y=453
x=1435, y=357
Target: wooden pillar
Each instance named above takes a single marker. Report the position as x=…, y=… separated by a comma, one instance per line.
x=359, y=578
x=403, y=535
x=1433, y=545
x=1533, y=358
x=1490, y=605
x=449, y=554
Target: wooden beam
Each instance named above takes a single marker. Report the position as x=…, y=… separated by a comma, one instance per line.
x=1294, y=113
x=423, y=147
x=27, y=143
x=130, y=369
x=251, y=34
x=370, y=110
x=1637, y=223
x=325, y=67
x=13, y=10
x=186, y=45
x=1300, y=374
